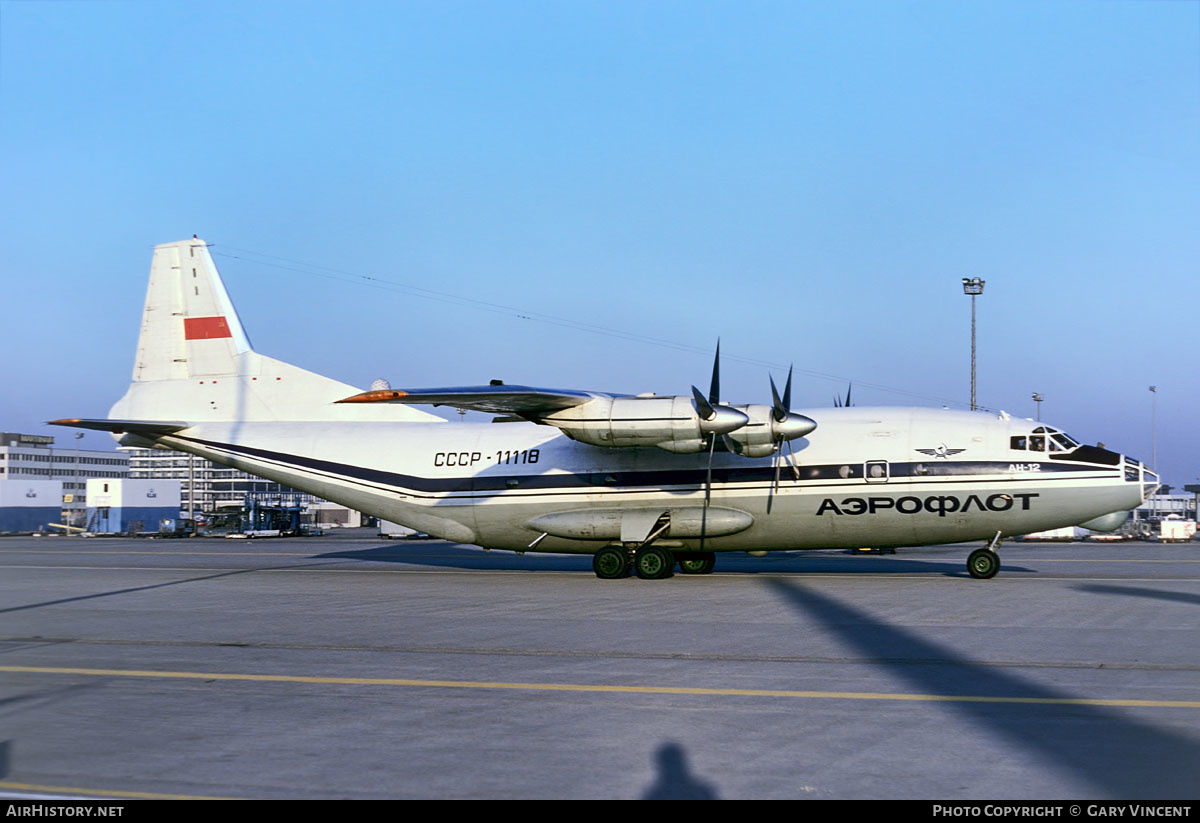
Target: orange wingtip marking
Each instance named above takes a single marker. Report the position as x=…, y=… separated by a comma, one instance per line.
x=378, y=396
x=66, y=421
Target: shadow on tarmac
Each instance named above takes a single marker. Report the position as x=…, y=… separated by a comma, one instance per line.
x=454, y=556
x=133, y=589
x=1108, y=747
x=674, y=780
x=120, y=591
x=22, y=702
x=1133, y=591
x=471, y=558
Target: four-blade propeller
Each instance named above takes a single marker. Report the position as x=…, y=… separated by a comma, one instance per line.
x=839, y=403
x=715, y=420
x=786, y=426
x=719, y=420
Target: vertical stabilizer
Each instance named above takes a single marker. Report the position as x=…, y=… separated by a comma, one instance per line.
x=194, y=361
x=189, y=326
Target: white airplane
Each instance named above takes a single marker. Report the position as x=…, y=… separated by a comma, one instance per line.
x=641, y=482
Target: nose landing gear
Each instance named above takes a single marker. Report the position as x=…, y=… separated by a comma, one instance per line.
x=983, y=564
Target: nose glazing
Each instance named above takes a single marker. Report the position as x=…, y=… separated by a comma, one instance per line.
x=1149, y=482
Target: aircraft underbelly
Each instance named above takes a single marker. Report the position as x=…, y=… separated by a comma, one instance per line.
x=812, y=518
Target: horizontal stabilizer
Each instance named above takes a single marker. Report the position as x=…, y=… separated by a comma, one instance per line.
x=497, y=399
x=147, y=427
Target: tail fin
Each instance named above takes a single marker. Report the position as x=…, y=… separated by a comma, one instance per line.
x=194, y=361
x=189, y=326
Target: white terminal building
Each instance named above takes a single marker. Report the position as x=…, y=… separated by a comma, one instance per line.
x=43, y=482
x=61, y=470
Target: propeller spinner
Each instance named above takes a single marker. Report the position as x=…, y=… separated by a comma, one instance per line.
x=786, y=424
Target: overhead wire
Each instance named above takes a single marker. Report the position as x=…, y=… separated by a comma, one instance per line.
x=385, y=284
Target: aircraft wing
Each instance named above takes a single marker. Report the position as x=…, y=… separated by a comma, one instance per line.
x=149, y=427
x=496, y=399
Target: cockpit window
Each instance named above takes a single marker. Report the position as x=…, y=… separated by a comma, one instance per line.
x=1064, y=442
x=1043, y=437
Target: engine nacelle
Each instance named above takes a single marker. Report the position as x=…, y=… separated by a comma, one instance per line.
x=756, y=438
x=763, y=434
x=670, y=423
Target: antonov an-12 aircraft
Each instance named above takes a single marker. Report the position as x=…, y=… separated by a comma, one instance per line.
x=640, y=482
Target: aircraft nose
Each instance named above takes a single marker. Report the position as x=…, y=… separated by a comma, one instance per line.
x=1149, y=482
x=1138, y=472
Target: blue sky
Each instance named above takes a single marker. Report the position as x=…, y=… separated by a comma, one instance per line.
x=808, y=181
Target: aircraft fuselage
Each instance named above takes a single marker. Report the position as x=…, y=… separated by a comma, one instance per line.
x=874, y=477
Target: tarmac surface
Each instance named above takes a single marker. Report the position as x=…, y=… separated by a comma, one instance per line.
x=350, y=666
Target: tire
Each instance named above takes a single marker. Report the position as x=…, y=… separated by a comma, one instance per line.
x=696, y=562
x=983, y=564
x=653, y=563
x=611, y=563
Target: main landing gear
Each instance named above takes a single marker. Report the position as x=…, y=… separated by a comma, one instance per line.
x=649, y=562
x=611, y=563
x=653, y=563
x=984, y=563
x=696, y=562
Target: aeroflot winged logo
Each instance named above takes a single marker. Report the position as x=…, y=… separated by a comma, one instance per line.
x=940, y=452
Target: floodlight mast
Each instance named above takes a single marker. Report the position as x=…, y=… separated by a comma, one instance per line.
x=972, y=286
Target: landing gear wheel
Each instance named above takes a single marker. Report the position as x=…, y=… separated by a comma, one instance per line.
x=653, y=563
x=983, y=564
x=611, y=563
x=696, y=562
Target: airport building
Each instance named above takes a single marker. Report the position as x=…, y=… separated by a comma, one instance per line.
x=29, y=505
x=1165, y=504
x=206, y=486
x=128, y=506
x=33, y=457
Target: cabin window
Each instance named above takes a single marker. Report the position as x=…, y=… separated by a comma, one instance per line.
x=1037, y=443
x=876, y=471
x=1018, y=442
